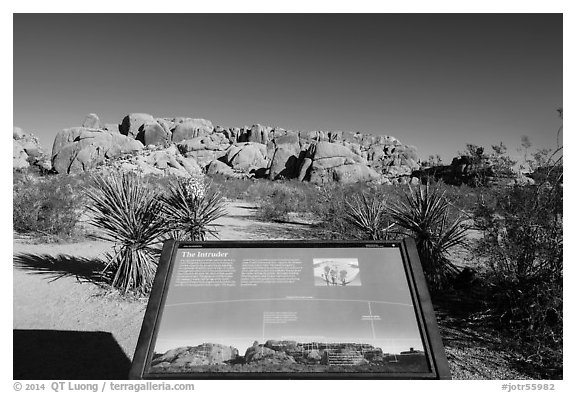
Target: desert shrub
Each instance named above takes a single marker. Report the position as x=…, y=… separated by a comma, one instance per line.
x=331, y=211
x=283, y=198
x=331, y=206
x=369, y=215
x=233, y=188
x=128, y=213
x=50, y=205
x=522, y=243
x=250, y=190
x=424, y=214
x=462, y=199
x=190, y=208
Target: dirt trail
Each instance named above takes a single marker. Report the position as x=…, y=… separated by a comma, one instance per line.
x=241, y=224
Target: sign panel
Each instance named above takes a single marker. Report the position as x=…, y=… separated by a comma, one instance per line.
x=289, y=310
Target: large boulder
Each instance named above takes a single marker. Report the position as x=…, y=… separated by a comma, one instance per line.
x=191, y=128
x=132, y=123
x=79, y=149
x=27, y=151
x=355, y=173
x=336, y=162
x=205, y=149
x=18, y=133
x=313, y=136
x=305, y=166
x=257, y=133
x=113, y=128
x=284, y=164
x=91, y=121
x=166, y=124
x=247, y=156
x=204, y=157
x=154, y=134
x=217, y=167
x=289, y=141
x=19, y=157
x=330, y=150
x=215, y=141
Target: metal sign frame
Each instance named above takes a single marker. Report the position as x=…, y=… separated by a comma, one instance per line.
x=425, y=316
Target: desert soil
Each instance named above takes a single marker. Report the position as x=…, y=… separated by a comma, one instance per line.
x=47, y=301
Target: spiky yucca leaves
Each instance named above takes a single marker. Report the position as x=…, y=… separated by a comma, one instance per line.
x=369, y=216
x=190, y=208
x=424, y=214
x=128, y=214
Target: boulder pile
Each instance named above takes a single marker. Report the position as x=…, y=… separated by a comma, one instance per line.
x=183, y=146
x=473, y=171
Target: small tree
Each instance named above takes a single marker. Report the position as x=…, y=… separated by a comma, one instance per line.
x=327, y=274
x=333, y=275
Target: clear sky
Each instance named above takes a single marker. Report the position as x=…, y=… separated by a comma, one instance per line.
x=435, y=81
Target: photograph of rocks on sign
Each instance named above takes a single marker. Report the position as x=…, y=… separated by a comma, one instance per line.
x=445, y=128
x=336, y=272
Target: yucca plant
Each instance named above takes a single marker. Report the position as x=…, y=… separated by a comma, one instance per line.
x=369, y=216
x=423, y=213
x=128, y=213
x=190, y=208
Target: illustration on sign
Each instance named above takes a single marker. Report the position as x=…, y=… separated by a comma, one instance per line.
x=336, y=271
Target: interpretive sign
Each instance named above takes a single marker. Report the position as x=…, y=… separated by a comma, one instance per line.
x=289, y=309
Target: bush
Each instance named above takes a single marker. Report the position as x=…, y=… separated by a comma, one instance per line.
x=190, y=209
x=424, y=214
x=284, y=198
x=368, y=214
x=50, y=205
x=522, y=243
x=129, y=214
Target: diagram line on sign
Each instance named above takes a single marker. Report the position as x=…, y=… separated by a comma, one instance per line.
x=287, y=299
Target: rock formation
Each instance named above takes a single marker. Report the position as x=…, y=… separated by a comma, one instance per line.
x=27, y=152
x=79, y=149
x=201, y=355
x=250, y=151
x=473, y=171
x=163, y=162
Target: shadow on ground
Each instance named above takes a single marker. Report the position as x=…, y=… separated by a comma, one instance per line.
x=57, y=354
x=56, y=267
